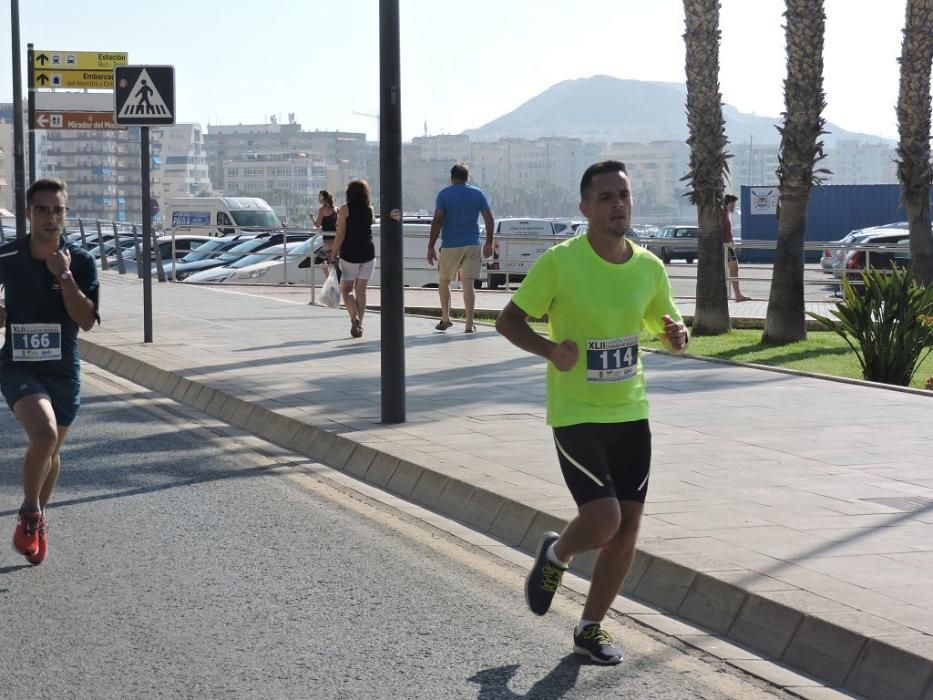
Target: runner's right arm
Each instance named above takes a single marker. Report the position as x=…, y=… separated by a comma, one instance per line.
x=513, y=324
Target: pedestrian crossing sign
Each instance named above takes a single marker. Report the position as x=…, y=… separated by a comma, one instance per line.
x=144, y=95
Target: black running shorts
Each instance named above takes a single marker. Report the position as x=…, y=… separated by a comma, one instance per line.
x=605, y=460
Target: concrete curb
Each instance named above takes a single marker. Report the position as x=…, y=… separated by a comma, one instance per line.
x=875, y=667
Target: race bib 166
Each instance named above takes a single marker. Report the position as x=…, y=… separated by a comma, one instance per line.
x=36, y=342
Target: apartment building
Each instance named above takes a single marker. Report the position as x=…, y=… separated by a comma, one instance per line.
x=179, y=163
x=853, y=162
x=289, y=181
x=102, y=169
x=343, y=153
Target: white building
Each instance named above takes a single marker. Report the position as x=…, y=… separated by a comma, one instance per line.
x=289, y=181
x=179, y=164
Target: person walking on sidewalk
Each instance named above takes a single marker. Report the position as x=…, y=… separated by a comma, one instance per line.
x=599, y=291
x=354, y=246
x=326, y=221
x=728, y=206
x=50, y=290
x=457, y=213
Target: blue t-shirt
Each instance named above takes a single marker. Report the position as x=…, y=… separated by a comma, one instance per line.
x=462, y=205
x=36, y=311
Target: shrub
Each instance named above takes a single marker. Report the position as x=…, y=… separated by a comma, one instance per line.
x=888, y=322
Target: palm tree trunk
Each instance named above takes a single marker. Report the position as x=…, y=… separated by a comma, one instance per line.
x=800, y=151
x=708, y=162
x=913, y=117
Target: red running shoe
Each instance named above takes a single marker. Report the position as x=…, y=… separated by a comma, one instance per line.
x=43, y=530
x=26, y=535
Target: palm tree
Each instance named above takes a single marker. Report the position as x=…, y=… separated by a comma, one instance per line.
x=799, y=153
x=913, y=117
x=708, y=161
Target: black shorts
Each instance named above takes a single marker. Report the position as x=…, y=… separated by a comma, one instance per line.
x=64, y=393
x=605, y=460
x=730, y=254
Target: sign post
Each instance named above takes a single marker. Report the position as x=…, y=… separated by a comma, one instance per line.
x=31, y=116
x=144, y=96
x=19, y=168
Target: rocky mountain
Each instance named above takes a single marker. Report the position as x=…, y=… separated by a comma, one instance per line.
x=609, y=109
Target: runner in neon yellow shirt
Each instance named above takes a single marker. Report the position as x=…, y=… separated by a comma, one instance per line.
x=599, y=292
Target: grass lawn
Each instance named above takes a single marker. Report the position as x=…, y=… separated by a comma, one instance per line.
x=822, y=352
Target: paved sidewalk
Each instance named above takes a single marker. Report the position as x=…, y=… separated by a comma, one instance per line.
x=793, y=515
x=749, y=314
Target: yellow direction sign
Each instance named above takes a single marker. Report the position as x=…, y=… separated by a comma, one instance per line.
x=78, y=60
x=100, y=79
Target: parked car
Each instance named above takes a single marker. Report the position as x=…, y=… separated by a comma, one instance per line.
x=631, y=234
x=675, y=242
x=520, y=242
x=292, y=268
x=208, y=251
x=834, y=258
x=880, y=251
x=245, y=244
x=182, y=245
x=217, y=275
x=646, y=231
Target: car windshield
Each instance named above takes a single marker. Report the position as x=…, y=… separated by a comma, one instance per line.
x=238, y=251
x=305, y=247
x=273, y=252
x=205, y=250
x=255, y=217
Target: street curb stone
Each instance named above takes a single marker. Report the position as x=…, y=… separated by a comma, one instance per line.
x=766, y=625
x=823, y=647
x=875, y=668
x=886, y=671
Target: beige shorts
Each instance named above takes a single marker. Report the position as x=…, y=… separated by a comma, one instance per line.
x=356, y=271
x=465, y=259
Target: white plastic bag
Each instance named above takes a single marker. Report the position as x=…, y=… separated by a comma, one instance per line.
x=330, y=292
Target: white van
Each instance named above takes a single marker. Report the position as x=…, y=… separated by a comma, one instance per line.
x=519, y=242
x=218, y=216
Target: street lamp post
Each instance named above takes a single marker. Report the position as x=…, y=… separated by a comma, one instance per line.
x=390, y=234
x=19, y=166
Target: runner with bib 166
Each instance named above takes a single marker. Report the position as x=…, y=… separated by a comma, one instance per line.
x=599, y=292
x=50, y=289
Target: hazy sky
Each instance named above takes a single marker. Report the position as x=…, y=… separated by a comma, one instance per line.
x=463, y=64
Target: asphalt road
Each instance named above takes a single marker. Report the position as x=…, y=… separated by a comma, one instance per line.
x=185, y=563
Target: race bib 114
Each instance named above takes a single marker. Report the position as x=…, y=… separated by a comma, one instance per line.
x=36, y=342
x=612, y=359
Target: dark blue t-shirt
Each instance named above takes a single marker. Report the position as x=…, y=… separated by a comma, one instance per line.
x=34, y=304
x=462, y=205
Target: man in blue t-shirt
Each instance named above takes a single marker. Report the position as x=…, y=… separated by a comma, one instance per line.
x=457, y=212
x=50, y=290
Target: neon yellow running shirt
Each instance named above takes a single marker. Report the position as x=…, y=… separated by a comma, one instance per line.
x=602, y=307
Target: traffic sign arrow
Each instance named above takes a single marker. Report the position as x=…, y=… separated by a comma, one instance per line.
x=42, y=79
x=42, y=120
x=42, y=59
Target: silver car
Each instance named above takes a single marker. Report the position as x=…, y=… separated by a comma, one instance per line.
x=834, y=258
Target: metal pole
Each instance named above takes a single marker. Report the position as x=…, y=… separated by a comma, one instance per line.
x=390, y=239
x=19, y=167
x=147, y=235
x=31, y=113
